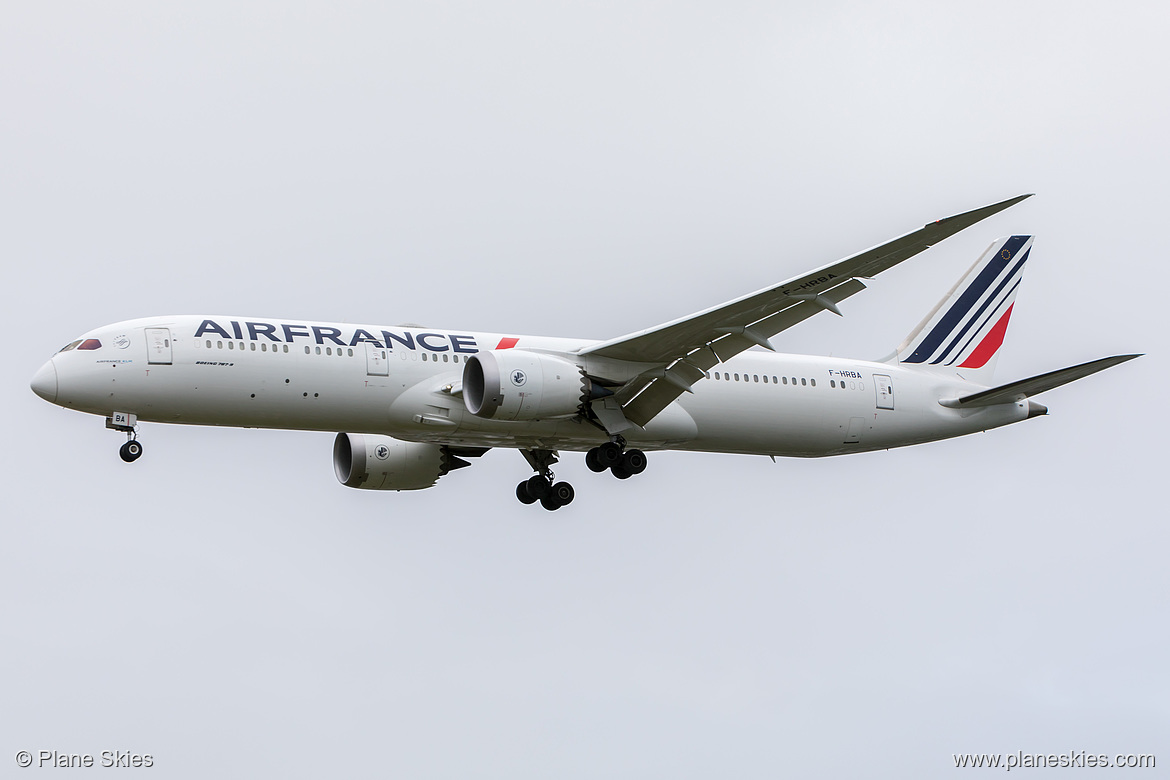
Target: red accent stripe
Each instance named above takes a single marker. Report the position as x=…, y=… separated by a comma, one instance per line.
x=991, y=342
x=507, y=343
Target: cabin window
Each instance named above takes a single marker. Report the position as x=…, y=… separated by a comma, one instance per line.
x=814, y=382
x=231, y=345
x=286, y=347
x=736, y=377
x=253, y=346
x=765, y=379
x=424, y=357
x=803, y=382
x=350, y=351
x=793, y=380
x=785, y=380
x=209, y=343
x=832, y=383
x=329, y=351
x=318, y=350
x=755, y=377
x=716, y=375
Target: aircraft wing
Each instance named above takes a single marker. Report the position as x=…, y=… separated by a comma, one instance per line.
x=683, y=350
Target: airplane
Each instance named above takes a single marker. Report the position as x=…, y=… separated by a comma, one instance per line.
x=413, y=404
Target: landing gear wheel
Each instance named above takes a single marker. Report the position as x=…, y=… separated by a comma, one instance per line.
x=620, y=471
x=538, y=487
x=609, y=454
x=593, y=461
x=523, y=494
x=130, y=451
x=549, y=503
x=562, y=493
x=634, y=461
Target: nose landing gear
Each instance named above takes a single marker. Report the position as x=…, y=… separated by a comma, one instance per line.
x=128, y=424
x=130, y=451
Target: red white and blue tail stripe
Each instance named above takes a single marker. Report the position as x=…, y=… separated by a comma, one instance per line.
x=966, y=329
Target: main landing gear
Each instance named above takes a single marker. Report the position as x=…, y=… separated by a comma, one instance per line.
x=542, y=486
x=614, y=456
x=551, y=495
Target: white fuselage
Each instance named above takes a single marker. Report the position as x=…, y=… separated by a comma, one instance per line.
x=405, y=382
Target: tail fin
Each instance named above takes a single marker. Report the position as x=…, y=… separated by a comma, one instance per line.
x=966, y=329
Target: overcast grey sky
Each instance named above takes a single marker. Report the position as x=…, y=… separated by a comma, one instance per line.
x=583, y=169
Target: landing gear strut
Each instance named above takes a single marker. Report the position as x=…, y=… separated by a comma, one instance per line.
x=541, y=486
x=614, y=457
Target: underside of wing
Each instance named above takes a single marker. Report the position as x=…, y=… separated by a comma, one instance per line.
x=682, y=351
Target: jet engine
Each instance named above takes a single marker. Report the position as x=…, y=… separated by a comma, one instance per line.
x=512, y=384
x=373, y=462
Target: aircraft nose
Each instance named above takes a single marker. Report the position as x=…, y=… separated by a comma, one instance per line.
x=44, y=382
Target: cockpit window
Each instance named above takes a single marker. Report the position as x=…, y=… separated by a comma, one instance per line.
x=69, y=346
x=90, y=344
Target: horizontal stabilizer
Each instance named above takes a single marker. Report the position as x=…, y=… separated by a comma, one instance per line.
x=1018, y=391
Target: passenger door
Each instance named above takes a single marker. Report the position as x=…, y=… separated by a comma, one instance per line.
x=885, y=391
x=158, y=346
x=377, y=363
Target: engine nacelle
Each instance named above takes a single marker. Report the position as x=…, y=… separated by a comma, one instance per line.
x=513, y=384
x=373, y=462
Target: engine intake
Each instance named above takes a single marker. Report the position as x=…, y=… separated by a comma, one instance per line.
x=513, y=384
x=374, y=462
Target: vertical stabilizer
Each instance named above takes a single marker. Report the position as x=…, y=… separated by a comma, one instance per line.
x=964, y=332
